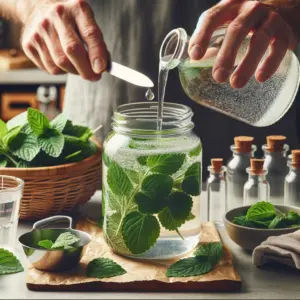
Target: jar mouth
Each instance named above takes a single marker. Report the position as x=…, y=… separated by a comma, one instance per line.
x=140, y=118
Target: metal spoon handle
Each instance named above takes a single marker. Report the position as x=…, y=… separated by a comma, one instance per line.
x=51, y=220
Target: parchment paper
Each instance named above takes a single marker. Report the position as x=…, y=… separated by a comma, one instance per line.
x=137, y=271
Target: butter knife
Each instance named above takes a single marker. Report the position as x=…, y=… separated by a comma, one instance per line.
x=129, y=75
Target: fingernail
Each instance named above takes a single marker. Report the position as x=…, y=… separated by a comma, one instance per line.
x=99, y=65
x=196, y=52
x=221, y=74
x=238, y=82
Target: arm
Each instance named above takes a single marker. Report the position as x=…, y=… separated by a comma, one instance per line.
x=60, y=35
x=273, y=26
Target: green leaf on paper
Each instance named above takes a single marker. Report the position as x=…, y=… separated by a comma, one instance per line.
x=193, y=266
x=213, y=251
x=118, y=180
x=166, y=163
x=59, y=123
x=9, y=264
x=52, y=142
x=104, y=268
x=37, y=121
x=140, y=232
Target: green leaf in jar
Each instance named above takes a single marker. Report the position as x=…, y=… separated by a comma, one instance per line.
x=140, y=232
x=166, y=163
x=261, y=211
x=147, y=205
x=191, y=183
x=118, y=180
x=104, y=268
x=195, y=152
x=167, y=220
x=180, y=205
x=142, y=160
x=157, y=186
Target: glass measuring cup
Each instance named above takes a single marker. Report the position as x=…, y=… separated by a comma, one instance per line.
x=257, y=104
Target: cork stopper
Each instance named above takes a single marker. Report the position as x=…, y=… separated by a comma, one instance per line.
x=257, y=166
x=296, y=158
x=275, y=143
x=217, y=164
x=243, y=143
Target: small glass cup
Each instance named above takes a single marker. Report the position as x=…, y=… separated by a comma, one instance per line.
x=11, y=192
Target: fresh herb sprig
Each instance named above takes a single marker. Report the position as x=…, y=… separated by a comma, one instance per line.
x=264, y=215
x=31, y=140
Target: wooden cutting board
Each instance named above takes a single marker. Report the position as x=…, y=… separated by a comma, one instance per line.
x=12, y=59
x=142, y=276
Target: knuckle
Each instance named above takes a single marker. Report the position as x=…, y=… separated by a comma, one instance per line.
x=62, y=61
x=54, y=70
x=213, y=12
x=44, y=24
x=91, y=31
x=71, y=47
x=236, y=27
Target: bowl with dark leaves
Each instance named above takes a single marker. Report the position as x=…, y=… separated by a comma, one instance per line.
x=249, y=226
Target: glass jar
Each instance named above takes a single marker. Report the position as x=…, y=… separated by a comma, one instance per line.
x=216, y=192
x=257, y=104
x=242, y=151
x=275, y=154
x=257, y=187
x=152, y=182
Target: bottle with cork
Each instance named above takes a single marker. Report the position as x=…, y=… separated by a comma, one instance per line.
x=216, y=192
x=243, y=150
x=292, y=181
x=257, y=187
x=276, y=162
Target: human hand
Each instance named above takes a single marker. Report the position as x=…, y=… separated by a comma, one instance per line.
x=243, y=16
x=63, y=36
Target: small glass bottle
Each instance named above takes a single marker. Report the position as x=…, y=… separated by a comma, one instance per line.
x=257, y=187
x=236, y=176
x=292, y=181
x=275, y=154
x=216, y=192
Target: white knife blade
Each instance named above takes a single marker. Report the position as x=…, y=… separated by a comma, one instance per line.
x=130, y=75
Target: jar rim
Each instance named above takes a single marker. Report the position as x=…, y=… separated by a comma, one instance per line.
x=140, y=118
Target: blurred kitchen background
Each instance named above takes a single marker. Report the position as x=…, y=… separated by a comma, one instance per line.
x=22, y=87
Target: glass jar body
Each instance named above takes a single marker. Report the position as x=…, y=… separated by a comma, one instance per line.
x=151, y=194
x=292, y=187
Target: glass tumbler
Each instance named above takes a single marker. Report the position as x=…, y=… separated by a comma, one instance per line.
x=11, y=191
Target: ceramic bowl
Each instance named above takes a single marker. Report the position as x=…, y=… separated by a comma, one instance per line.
x=249, y=238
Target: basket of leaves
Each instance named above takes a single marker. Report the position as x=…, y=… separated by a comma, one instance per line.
x=59, y=162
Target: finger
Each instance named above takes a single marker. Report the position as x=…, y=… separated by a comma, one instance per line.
x=208, y=22
x=92, y=36
x=271, y=63
x=33, y=55
x=72, y=45
x=53, y=44
x=236, y=33
x=259, y=44
x=45, y=56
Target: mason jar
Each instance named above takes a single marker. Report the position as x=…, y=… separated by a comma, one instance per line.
x=152, y=182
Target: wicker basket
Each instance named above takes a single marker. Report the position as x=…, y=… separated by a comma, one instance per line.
x=57, y=190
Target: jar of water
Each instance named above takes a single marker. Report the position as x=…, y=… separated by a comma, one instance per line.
x=152, y=182
x=257, y=104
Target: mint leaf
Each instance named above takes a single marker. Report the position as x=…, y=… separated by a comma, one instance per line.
x=9, y=264
x=261, y=211
x=192, y=179
x=26, y=148
x=195, y=152
x=278, y=222
x=11, y=135
x=293, y=218
x=79, y=131
x=118, y=180
x=52, y=142
x=113, y=236
x=47, y=244
x=23, y=164
x=142, y=160
x=190, y=217
x=180, y=205
x=104, y=268
x=19, y=120
x=134, y=176
x=242, y=221
x=147, y=205
x=59, y=123
x=3, y=162
x=106, y=159
x=212, y=251
x=3, y=128
x=193, y=266
x=167, y=220
x=37, y=121
x=157, y=186
x=140, y=232
x=65, y=240
x=165, y=163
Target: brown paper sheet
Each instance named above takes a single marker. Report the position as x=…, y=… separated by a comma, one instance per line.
x=141, y=275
